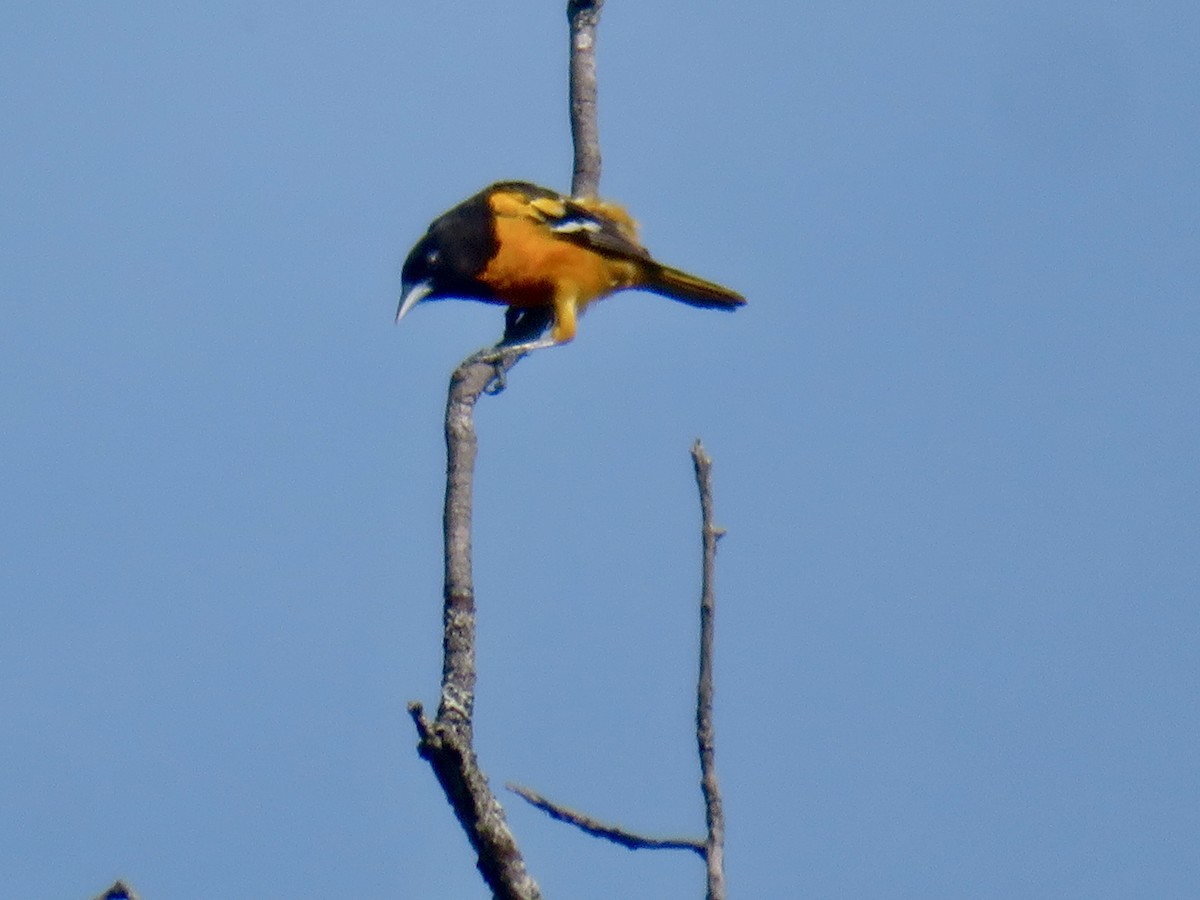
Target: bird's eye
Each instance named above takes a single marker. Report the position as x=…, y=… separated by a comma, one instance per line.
x=433, y=257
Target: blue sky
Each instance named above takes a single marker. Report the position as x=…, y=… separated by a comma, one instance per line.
x=955, y=435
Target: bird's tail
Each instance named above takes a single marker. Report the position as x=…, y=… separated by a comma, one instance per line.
x=689, y=289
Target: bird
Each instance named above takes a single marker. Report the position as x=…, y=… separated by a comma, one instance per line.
x=546, y=257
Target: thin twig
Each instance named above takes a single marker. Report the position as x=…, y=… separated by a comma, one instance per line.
x=714, y=813
x=584, y=16
x=712, y=847
x=596, y=828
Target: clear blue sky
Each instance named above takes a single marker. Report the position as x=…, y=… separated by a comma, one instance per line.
x=956, y=435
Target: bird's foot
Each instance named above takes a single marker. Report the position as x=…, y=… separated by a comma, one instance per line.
x=503, y=351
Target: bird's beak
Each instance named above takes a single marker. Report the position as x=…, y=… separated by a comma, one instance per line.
x=412, y=295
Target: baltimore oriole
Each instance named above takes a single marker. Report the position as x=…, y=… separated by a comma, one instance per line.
x=545, y=257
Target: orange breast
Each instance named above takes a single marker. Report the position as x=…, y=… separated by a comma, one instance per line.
x=532, y=265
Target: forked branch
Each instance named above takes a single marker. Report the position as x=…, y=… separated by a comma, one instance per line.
x=712, y=847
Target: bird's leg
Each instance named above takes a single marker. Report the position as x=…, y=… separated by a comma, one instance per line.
x=523, y=327
x=519, y=323
x=565, y=312
x=503, y=351
x=524, y=324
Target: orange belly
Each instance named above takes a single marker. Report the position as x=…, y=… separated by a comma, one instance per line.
x=530, y=271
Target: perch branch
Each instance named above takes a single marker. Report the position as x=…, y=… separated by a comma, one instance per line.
x=584, y=16
x=714, y=813
x=446, y=742
x=596, y=828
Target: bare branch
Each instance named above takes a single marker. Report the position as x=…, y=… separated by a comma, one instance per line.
x=584, y=16
x=596, y=828
x=448, y=749
x=714, y=813
x=472, y=378
x=712, y=848
x=446, y=742
x=457, y=704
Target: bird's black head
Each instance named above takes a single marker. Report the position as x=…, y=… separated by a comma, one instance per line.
x=419, y=277
x=447, y=261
